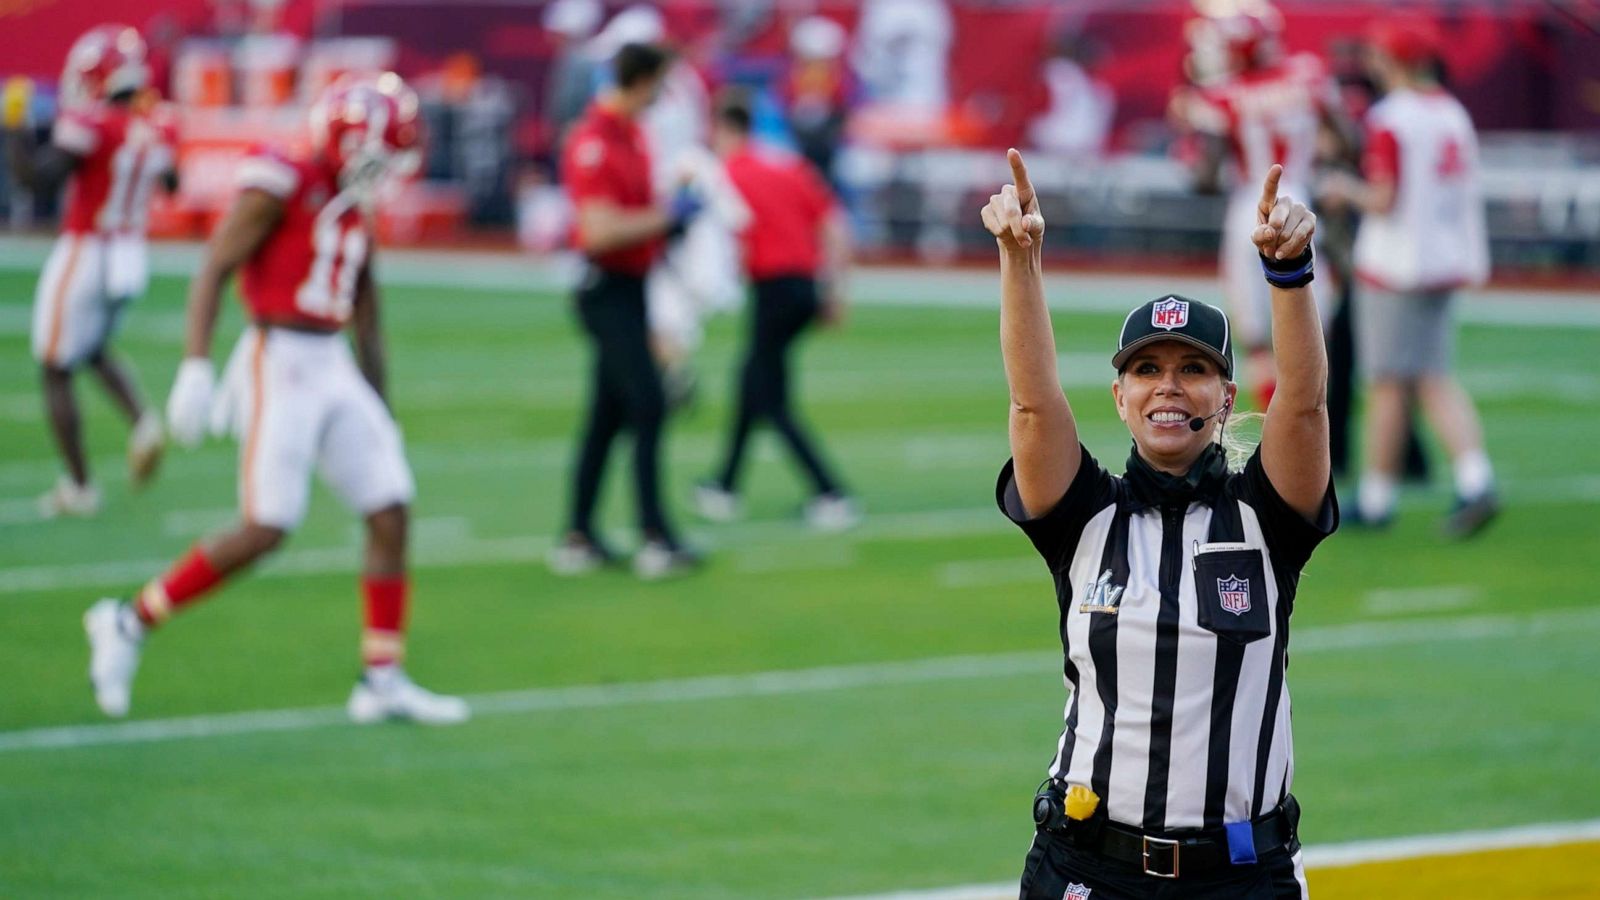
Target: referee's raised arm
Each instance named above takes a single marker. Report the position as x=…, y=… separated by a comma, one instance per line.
x=1044, y=437
x=1294, y=438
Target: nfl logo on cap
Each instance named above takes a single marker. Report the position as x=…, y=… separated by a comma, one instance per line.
x=1169, y=314
x=1235, y=593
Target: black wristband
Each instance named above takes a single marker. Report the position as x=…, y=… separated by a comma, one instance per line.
x=1289, y=273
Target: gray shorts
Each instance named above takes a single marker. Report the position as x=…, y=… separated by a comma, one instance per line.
x=1404, y=335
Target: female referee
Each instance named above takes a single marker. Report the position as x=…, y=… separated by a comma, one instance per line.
x=1175, y=580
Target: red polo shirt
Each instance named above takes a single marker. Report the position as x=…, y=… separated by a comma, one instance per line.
x=788, y=202
x=605, y=159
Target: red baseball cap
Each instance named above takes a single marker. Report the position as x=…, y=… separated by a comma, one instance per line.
x=1410, y=40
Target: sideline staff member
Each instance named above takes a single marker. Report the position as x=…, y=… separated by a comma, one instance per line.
x=1175, y=581
x=620, y=228
x=796, y=229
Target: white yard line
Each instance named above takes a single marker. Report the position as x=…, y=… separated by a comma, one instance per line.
x=464, y=550
x=20, y=511
x=790, y=681
x=1333, y=856
x=919, y=450
x=187, y=523
x=596, y=696
x=906, y=286
x=1437, y=598
x=459, y=550
x=966, y=573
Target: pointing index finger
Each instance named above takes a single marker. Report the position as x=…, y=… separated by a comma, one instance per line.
x=1019, y=176
x=1269, y=190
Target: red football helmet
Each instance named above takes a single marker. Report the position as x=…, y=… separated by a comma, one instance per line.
x=107, y=61
x=366, y=127
x=1233, y=38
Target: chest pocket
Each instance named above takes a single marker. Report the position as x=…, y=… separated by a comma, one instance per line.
x=1230, y=580
x=1230, y=587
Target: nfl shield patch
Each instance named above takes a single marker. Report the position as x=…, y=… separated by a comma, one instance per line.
x=1235, y=594
x=1076, y=892
x=1169, y=314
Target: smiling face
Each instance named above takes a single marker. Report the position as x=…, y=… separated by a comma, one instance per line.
x=1162, y=387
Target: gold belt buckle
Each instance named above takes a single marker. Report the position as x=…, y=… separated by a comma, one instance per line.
x=1161, y=843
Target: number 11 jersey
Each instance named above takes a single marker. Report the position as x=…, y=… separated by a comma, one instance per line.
x=304, y=275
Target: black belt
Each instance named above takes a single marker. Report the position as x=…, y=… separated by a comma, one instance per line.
x=1171, y=854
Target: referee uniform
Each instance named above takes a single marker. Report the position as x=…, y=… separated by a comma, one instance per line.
x=1175, y=593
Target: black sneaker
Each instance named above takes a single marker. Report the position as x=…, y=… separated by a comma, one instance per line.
x=659, y=559
x=1469, y=517
x=579, y=554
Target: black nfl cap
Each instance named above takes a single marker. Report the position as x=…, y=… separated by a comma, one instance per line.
x=1175, y=318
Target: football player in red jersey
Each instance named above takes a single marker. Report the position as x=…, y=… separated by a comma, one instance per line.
x=1256, y=106
x=113, y=147
x=299, y=234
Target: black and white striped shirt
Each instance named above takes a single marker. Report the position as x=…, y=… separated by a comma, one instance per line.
x=1175, y=625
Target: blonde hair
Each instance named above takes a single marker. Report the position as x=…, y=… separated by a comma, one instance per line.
x=1239, y=436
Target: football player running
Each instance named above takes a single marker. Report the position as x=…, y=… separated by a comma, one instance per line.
x=113, y=145
x=293, y=393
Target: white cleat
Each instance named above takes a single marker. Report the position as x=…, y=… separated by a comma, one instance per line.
x=68, y=498
x=386, y=693
x=714, y=504
x=114, y=644
x=145, y=444
x=832, y=513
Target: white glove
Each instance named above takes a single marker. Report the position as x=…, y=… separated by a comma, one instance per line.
x=189, y=404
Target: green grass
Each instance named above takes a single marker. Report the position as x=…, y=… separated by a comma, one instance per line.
x=788, y=795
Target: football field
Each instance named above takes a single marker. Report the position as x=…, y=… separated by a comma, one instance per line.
x=812, y=715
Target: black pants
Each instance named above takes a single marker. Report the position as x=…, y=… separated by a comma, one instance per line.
x=625, y=393
x=783, y=308
x=1054, y=865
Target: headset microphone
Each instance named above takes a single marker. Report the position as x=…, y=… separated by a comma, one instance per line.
x=1199, y=422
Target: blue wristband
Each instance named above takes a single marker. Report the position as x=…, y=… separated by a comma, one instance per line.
x=1289, y=273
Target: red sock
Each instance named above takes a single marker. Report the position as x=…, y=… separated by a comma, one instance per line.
x=383, y=642
x=188, y=579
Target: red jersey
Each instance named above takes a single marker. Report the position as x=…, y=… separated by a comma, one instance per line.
x=605, y=158
x=1270, y=116
x=120, y=155
x=305, y=272
x=788, y=203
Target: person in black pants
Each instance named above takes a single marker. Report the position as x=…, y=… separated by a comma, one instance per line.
x=796, y=230
x=621, y=229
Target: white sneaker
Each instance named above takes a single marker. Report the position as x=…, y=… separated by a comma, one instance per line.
x=385, y=692
x=145, y=444
x=575, y=555
x=714, y=504
x=832, y=512
x=114, y=644
x=68, y=498
x=660, y=559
